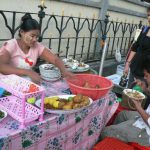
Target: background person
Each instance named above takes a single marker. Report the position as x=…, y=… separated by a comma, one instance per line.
x=133, y=126
x=139, y=50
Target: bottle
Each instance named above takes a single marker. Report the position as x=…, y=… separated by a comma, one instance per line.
x=123, y=80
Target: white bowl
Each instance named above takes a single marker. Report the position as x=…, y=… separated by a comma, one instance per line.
x=128, y=92
x=49, y=71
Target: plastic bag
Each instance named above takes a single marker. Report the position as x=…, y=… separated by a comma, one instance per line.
x=118, y=55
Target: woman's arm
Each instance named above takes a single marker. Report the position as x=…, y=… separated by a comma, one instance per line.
x=54, y=59
x=127, y=65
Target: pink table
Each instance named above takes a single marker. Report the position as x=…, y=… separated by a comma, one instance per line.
x=75, y=131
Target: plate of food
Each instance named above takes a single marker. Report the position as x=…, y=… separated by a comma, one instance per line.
x=64, y=104
x=79, y=68
x=3, y=114
x=133, y=94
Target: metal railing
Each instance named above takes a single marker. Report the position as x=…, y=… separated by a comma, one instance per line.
x=75, y=36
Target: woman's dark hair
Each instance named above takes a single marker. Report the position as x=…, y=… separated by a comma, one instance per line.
x=146, y=63
x=28, y=23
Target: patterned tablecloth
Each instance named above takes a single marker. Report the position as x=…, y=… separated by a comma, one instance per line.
x=77, y=131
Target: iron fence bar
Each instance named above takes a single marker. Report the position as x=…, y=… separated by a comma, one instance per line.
x=82, y=47
x=95, y=45
x=67, y=47
x=90, y=38
x=108, y=46
x=60, y=33
x=76, y=39
x=50, y=42
x=13, y=24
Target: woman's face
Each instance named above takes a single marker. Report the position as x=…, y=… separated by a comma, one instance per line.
x=30, y=37
x=147, y=76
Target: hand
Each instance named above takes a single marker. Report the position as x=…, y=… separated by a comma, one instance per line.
x=68, y=74
x=142, y=84
x=126, y=69
x=35, y=77
x=137, y=103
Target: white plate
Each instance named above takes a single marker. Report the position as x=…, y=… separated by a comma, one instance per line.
x=125, y=91
x=38, y=103
x=80, y=69
x=5, y=115
x=51, y=79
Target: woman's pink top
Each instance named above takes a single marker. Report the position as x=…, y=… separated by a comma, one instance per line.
x=18, y=58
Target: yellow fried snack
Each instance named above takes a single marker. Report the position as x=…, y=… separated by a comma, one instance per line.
x=61, y=104
x=56, y=104
x=55, y=97
x=46, y=100
x=78, y=98
x=67, y=107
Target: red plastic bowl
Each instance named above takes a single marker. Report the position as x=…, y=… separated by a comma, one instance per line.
x=76, y=85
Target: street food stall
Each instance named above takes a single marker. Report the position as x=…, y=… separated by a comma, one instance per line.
x=73, y=128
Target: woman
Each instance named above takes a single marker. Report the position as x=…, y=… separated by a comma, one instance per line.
x=19, y=56
x=139, y=50
x=133, y=126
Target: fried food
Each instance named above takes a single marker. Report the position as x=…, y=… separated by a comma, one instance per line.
x=135, y=95
x=78, y=98
x=67, y=107
x=75, y=102
x=86, y=85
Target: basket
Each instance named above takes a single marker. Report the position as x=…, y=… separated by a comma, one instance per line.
x=16, y=105
x=13, y=106
x=76, y=85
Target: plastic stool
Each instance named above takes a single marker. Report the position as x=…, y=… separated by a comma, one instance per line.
x=112, y=144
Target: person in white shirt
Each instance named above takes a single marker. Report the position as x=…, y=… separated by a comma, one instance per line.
x=133, y=126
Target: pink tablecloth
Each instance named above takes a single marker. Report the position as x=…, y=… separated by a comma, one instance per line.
x=77, y=131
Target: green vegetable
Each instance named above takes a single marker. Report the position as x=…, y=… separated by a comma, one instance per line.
x=2, y=114
x=70, y=98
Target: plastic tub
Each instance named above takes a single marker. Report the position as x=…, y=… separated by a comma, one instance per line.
x=77, y=85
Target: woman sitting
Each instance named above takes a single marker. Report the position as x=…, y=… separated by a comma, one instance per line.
x=19, y=56
x=133, y=126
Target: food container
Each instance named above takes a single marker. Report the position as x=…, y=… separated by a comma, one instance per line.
x=49, y=72
x=126, y=98
x=16, y=105
x=77, y=85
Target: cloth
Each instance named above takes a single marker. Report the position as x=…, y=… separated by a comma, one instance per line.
x=141, y=47
x=142, y=125
x=124, y=129
x=77, y=131
x=18, y=58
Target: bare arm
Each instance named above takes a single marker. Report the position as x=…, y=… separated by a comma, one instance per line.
x=126, y=69
x=54, y=59
x=145, y=116
x=143, y=113
x=132, y=54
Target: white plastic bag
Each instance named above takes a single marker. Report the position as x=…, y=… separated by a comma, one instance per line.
x=118, y=55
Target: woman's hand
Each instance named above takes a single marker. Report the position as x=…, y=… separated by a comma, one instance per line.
x=35, y=77
x=126, y=68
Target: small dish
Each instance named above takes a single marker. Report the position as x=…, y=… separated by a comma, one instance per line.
x=5, y=115
x=133, y=94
